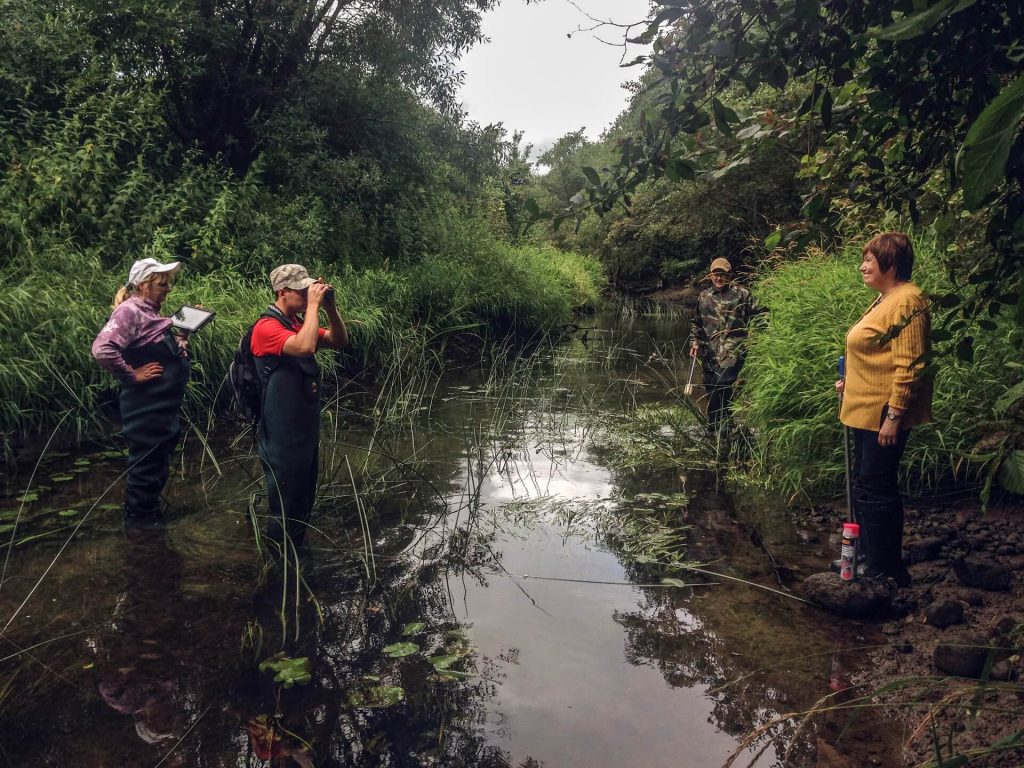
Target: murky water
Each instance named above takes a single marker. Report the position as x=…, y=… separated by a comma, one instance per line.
x=483, y=590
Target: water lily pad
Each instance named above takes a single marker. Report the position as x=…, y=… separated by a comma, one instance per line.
x=83, y=462
x=289, y=671
x=114, y=454
x=413, y=628
x=377, y=697
x=68, y=512
x=398, y=650
x=61, y=478
x=6, y=528
x=109, y=506
x=28, y=498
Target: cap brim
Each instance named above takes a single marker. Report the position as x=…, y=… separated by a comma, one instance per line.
x=171, y=270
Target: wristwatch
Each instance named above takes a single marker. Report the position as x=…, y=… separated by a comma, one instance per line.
x=893, y=416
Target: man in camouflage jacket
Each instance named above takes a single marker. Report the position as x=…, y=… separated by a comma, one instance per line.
x=717, y=331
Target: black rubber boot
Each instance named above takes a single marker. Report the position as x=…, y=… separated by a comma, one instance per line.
x=882, y=533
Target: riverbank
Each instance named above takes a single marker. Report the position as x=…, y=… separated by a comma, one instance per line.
x=950, y=667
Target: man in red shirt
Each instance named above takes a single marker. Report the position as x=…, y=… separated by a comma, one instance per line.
x=284, y=343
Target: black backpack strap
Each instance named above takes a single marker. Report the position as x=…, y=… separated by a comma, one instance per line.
x=267, y=364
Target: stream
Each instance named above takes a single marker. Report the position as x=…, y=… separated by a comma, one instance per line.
x=495, y=579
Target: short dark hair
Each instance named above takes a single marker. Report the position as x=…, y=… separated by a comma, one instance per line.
x=893, y=249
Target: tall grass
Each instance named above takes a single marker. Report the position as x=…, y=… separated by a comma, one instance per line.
x=788, y=394
x=52, y=309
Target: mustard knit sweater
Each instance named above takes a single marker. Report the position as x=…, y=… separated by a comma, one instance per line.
x=887, y=372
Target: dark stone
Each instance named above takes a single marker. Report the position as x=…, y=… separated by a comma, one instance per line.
x=944, y=613
x=1001, y=670
x=922, y=550
x=863, y=597
x=903, y=604
x=1005, y=626
x=983, y=574
x=1006, y=549
x=904, y=647
x=962, y=656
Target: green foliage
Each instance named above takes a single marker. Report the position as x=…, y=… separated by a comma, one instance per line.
x=50, y=374
x=895, y=89
x=788, y=394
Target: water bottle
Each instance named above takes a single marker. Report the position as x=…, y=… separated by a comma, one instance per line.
x=848, y=552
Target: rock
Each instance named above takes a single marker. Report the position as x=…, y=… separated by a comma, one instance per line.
x=944, y=613
x=963, y=656
x=1001, y=670
x=903, y=604
x=1015, y=563
x=1005, y=626
x=983, y=574
x=1006, y=549
x=863, y=597
x=904, y=647
x=924, y=549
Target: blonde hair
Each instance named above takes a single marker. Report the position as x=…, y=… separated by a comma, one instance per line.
x=130, y=290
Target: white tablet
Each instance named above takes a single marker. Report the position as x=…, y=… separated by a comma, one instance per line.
x=191, y=319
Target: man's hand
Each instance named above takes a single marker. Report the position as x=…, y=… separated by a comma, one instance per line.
x=694, y=349
x=315, y=295
x=840, y=386
x=147, y=372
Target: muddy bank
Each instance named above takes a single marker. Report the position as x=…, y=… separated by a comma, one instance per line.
x=949, y=667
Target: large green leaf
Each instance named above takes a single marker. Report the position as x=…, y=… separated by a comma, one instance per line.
x=1011, y=473
x=982, y=159
x=1011, y=396
x=398, y=650
x=919, y=23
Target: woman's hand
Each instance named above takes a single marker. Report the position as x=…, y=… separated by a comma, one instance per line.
x=840, y=385
x=889, y=433
x=147, y=372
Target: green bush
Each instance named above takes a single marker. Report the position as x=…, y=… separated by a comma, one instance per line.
x=788, y=393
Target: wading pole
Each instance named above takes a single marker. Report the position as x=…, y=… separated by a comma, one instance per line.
x=688, y=391
x=846, y=450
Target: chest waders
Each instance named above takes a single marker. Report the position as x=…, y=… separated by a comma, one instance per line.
x=151, y=424
x=289, y=442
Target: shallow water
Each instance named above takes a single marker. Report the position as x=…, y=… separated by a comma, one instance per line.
x=494, y=513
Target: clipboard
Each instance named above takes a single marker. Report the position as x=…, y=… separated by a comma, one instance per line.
x=191, y=319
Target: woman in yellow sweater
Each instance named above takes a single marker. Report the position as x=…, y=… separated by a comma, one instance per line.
x=885, y=394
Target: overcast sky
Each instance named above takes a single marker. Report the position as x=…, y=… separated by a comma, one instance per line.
x=531, y=77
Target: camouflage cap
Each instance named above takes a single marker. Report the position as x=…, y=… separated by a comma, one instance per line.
x=720, y=265
x=292, y=276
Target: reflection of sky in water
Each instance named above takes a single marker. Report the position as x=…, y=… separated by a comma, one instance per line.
x=569, y=696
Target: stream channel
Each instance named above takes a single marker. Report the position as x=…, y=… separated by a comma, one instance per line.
x=483, y=588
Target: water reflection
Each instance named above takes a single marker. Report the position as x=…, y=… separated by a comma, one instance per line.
x=473, y=596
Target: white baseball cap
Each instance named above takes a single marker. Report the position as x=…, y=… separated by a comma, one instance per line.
x=145, y=268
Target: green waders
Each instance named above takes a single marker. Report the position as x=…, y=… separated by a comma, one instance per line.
x=289, y=442
x=151, y=424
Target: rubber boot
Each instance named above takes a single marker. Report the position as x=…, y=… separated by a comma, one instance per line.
x=882, y=536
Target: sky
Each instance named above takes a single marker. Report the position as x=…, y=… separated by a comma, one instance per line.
x=531, y=77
